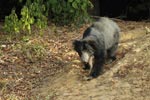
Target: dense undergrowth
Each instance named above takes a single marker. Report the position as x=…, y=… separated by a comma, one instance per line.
x=38, y=12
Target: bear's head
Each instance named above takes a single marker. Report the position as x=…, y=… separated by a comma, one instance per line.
x=85, y=49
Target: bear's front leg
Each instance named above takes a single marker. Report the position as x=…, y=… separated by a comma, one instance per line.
x=96, y=69
x=91, y=63
x=86, y=66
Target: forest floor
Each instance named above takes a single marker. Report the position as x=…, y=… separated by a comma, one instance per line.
x=47, y=68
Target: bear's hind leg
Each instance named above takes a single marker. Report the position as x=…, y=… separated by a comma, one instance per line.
x=111, y=53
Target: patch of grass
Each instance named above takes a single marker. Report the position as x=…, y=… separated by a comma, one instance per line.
x=32, y=51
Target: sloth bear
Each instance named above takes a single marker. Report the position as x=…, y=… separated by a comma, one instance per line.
x=99, y=41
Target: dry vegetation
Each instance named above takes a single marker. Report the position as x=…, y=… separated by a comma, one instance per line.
x=46, y=67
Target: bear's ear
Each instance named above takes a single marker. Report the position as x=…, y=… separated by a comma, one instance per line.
x=76, y=44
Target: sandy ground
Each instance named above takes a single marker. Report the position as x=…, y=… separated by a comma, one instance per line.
x=59, y=75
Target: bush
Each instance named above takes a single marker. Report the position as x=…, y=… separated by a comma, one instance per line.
x=35, y=12
x=12, y=23
x=31, y=51
x=69, y=11
x=31, y=13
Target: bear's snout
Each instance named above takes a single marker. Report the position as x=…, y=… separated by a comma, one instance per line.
x=85, y=57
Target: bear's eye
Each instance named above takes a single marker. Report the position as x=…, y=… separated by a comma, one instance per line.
x=78, y=48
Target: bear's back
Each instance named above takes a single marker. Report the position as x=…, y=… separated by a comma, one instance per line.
x=109, y=29
x=105, y=26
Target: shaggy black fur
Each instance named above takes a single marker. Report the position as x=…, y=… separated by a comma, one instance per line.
x=99, y=40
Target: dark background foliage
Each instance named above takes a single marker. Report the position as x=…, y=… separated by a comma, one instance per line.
x=131, y=9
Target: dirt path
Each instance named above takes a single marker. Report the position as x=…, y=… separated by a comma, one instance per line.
x=125, y=79
x=128, y=79
x=59, y=75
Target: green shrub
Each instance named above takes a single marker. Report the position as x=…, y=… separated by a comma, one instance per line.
x=35, y=12
x=12, y=23
x=31, y=13
x=69, y=11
